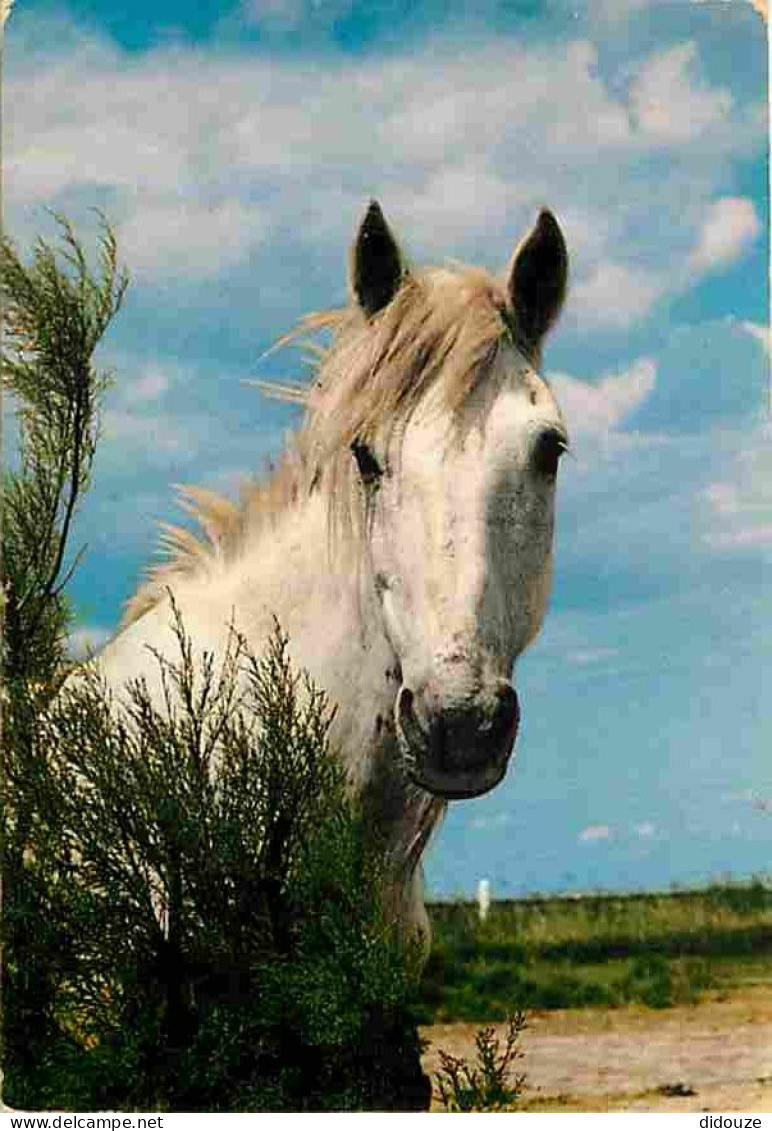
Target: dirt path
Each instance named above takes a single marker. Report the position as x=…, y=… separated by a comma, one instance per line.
x=716, y=1056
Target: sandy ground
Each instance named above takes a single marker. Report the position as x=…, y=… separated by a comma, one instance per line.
x=715, y=1057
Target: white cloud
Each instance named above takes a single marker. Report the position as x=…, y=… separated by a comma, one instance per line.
x=762, y=334
x=737, y=510
x=202, y=156
x=187, y=237
x=614, y=12
x=291, y=14
x=494, y=821
x=600, y=407
x=587, y=232
x=152, y=383
x=668, y=105
x=615, y=295
x=509, y=101
x=595, y=832
x=288, y=12
x=591, y=119
x=95, y=120
x=612, y=294
x=141, y=380
x=751, y=536
x=730, y=226
x=590, y=657
x=458, y=198
x=680, y=488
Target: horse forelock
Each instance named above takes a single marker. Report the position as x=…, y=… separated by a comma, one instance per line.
x=444, y=329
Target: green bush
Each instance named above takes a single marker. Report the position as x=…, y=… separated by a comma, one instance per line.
x=55, y=312
x=212, y=931
x=487, y=1085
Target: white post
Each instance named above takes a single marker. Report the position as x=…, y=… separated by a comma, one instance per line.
x=483, y=899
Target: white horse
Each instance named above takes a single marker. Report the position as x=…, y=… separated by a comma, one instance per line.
x=405, y=541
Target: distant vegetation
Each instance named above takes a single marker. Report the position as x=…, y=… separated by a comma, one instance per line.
x=655, y=950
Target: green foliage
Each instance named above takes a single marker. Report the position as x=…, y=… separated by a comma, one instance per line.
x=221, y=942
x=55, y=312
x=487, y=1085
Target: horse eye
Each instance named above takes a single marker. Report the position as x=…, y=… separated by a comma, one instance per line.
x=369, y=468
x=547, y=450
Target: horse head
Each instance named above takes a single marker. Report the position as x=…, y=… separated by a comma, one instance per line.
x=454, y=458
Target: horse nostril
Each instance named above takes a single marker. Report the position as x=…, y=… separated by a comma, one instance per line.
x=507, y=716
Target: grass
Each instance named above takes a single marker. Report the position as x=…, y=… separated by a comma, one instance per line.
x=653, y=950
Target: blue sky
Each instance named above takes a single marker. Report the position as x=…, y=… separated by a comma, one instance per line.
x=234, y=147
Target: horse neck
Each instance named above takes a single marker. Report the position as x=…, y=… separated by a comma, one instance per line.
x=325, y=602
x=290, y=572
x=322, y=601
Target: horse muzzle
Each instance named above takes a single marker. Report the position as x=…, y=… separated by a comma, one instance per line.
x=461, y=749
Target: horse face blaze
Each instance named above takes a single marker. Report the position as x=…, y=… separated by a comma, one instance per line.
x=462, y=555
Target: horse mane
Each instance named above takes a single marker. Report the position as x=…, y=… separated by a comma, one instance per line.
x=445, y=327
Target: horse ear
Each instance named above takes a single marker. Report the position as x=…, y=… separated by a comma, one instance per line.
x=538, y=276
x=375, y=268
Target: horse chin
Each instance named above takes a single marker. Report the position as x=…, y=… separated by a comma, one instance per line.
x=458, y=786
